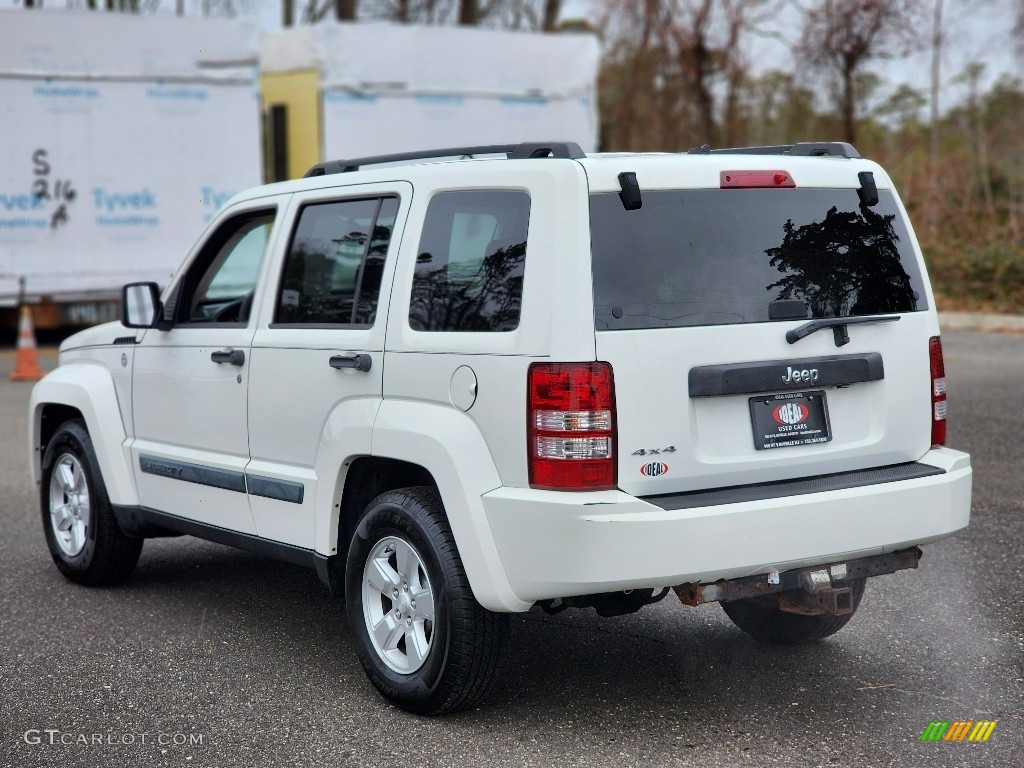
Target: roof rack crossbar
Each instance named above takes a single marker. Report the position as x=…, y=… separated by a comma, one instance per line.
x=800, y=149
x=525, y=150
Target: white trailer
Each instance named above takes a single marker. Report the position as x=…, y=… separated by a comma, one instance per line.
x=119, y=137
x=344, y=90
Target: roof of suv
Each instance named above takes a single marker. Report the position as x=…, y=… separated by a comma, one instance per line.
x=811, y=164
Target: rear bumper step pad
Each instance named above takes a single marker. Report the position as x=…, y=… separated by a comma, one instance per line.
x=774, y=490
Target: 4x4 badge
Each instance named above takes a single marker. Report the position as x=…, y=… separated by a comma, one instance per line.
x=653, y=451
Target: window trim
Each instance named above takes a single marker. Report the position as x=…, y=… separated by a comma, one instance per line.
x=322, y=326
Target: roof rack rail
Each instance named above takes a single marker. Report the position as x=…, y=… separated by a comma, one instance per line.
x=561, y=149
x=800, y=149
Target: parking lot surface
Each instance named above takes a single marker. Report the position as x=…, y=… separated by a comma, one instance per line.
x=208, y=656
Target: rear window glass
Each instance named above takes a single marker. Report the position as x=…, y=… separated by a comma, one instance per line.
x=713, y=257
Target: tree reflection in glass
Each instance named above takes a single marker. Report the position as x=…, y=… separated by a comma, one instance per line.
x=487, y=301
x=847, y=264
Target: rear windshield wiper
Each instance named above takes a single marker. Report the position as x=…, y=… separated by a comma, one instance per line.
x=838, y=326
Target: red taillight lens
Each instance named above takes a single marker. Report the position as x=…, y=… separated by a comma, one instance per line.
x=756, y=180
x=938, y=391
x=570, y=429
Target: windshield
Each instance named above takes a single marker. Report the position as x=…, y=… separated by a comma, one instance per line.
x=713, y=257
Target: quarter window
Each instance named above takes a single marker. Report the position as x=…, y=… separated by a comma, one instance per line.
x=334, y=266
x=472, y=257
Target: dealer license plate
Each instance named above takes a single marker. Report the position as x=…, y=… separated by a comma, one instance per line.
x=788, y=419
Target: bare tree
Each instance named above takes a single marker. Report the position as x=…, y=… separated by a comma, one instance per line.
x=933, y=155
x=317, y=10
x=119, y=6
x=552, y=8
x=739, y=17
x=841, y=36
x=469, y=12
x=1018, y=28
x=689, y=52
x=971, y=76
x=637, y=77
x=220, y=8
x=506, y=14
x=526, y=14
x=406, y=11
x=473, y=13
x=690, y=30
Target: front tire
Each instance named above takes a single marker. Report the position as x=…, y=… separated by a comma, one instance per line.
x=761, y=618
x=421, y=636
x=84, y=539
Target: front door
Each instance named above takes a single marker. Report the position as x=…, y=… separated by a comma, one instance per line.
x=190, y=382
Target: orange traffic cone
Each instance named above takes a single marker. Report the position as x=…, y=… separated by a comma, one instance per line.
x=26, y=366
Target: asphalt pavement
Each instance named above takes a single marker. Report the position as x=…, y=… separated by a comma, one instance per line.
x=212, y=657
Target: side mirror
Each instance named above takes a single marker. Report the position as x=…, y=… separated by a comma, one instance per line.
x=140, y=305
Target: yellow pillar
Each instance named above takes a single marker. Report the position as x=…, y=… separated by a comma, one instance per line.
x=299, y=93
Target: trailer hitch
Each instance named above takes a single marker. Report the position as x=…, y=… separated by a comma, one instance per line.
x=809, y=591
x=837, y=601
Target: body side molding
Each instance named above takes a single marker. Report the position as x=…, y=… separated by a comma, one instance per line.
x=192, y=473
x=256, y=485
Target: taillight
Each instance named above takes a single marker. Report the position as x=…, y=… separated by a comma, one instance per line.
x=570, y=430
x=756, y=180
x=938, y=391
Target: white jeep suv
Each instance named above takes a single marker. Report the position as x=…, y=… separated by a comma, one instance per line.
x=465, y=382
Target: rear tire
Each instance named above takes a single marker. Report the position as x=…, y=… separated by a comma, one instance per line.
x=422, y=638
x=85, y=541
x=761, y=618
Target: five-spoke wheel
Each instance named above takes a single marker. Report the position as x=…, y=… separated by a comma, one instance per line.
x=87, y=544
x=398, y=604
x=423, y=639
x=69, y=504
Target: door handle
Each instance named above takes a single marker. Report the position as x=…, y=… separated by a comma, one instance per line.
x=359, y=362
x=232, y=356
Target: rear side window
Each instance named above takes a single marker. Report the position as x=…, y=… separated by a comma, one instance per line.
x=714, y=257
x=335, y=262
x=470, y=263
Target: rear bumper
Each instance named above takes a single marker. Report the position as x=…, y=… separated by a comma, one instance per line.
x=554, y=544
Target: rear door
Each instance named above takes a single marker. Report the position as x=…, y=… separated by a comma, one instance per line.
x=317, y=355
x=694, y=295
